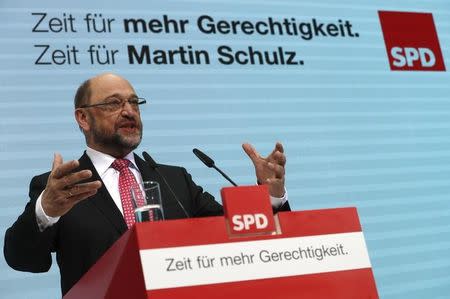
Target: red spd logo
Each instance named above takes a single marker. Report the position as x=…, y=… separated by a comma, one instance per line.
x=248, y=210
x=411, y=40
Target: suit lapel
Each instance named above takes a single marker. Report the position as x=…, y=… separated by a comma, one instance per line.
x=169, y=203
x=147, y=173
x=103, y=200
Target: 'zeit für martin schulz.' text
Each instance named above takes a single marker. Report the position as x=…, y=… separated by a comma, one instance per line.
x=99, y=54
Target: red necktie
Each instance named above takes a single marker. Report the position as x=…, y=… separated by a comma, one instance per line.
x=126, y=182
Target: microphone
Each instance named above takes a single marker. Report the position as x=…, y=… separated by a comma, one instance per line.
x=155, y=166
x=210, y=163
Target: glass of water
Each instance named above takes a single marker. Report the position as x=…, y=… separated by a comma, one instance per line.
x=147, y=203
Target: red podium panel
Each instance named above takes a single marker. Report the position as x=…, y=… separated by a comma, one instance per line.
x=319, y=254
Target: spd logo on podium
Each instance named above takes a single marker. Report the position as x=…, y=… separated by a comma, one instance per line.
x=411, y=40
x=248, y=210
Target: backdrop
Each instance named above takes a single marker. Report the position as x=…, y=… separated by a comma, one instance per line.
x=359, y=98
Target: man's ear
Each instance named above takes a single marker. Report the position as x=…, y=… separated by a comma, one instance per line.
x=82, y=119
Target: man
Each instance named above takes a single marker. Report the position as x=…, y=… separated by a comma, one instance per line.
x=77, y=210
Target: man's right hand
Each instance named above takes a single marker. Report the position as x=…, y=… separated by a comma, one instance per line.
x=63, y=189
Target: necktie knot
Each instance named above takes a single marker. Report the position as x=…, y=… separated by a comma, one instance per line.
x=120, y=164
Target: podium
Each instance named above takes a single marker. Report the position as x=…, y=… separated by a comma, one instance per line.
x=318, y=254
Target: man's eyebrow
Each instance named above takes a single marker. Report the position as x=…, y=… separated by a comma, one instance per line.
x=116, y=95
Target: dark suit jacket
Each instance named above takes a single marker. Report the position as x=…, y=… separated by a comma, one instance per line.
x=81, y=236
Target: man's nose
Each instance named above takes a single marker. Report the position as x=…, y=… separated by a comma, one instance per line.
x=129, y=109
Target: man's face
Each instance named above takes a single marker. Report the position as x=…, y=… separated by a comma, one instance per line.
x=115, y=132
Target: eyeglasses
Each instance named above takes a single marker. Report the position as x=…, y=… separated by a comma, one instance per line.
x=115, y=104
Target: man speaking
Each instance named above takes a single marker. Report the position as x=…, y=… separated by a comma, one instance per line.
x=77, y=209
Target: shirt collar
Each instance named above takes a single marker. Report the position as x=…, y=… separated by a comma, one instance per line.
x=102, y=162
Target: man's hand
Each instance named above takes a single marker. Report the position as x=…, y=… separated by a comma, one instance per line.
x=269, y=170
x=63, y=189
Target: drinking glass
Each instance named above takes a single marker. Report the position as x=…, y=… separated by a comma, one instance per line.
x=147, y=205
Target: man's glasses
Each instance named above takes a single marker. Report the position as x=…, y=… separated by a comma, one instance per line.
x=115, y=104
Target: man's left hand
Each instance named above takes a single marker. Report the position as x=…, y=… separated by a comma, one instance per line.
x=269, y=170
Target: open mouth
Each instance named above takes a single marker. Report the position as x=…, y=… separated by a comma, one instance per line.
x=129, y=126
